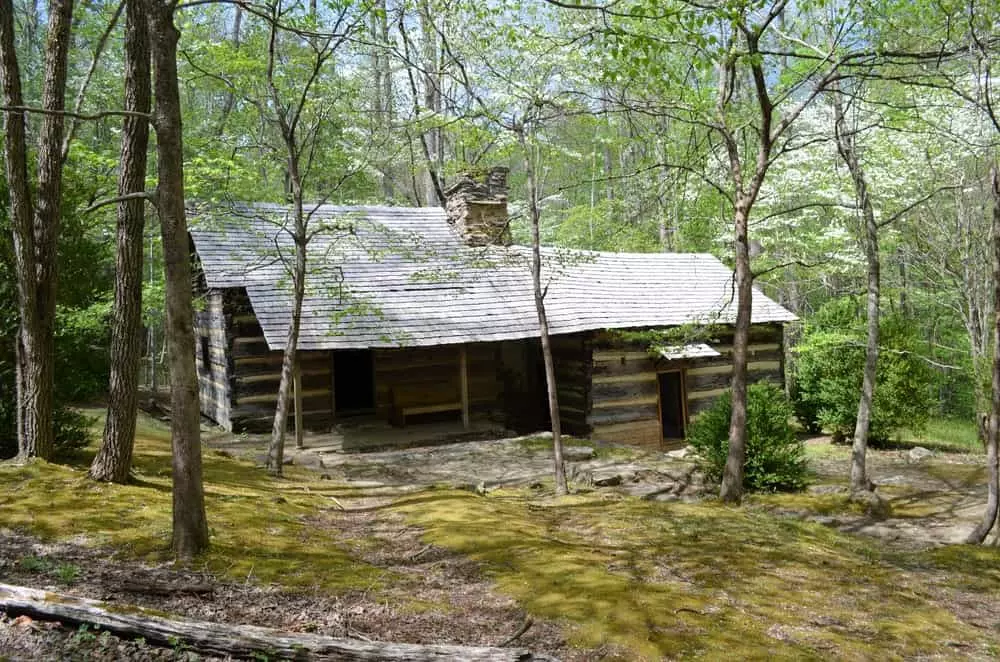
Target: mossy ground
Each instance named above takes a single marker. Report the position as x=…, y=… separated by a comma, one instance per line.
x=260, y=527
x=646, y=580
x=690, y=580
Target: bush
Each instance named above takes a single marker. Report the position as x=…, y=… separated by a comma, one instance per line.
x=775, y=458
x=829, y=367
x=72, y=431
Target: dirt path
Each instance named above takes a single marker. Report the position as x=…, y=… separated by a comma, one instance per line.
x=435, y=597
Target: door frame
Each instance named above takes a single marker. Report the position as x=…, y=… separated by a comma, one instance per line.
x=682, y=372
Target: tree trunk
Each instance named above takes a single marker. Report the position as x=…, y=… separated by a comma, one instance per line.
x=993, y=439
x=276, y=448
x=732, y=477
x=114, y=459
x=22, y=232
x=239, y=641
x=190, y=528
x=34, y=239
x=48, y=213
x=848, y=151
x=432, y=102
x=543, y=322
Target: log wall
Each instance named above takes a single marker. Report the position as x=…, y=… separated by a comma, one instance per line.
x=431, y=375
x=256, y=373
x=212, y=360
x=625, y=392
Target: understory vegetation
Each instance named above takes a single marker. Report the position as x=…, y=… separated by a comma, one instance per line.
x=775, y=457
x=828, y=362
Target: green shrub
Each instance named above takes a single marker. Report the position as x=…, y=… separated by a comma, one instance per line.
x=829, y=366
x=775, y=458
x=72, y=430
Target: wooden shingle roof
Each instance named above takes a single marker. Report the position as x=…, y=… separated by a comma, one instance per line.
x=395, y=276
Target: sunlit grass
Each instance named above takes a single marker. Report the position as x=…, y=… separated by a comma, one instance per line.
x=946, y=434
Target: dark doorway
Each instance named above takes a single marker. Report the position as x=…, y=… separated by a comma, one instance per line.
x=671, y=386
x=353, y=382
x=525, y=394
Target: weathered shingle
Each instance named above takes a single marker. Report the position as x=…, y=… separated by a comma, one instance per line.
x=396, y=276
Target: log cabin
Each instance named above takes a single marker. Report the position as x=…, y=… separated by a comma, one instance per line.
x=414, y=315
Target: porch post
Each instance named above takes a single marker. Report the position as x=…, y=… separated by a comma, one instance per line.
x=463, y=377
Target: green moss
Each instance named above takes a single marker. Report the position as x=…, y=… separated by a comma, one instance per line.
x=260, y=527
x=680, y=580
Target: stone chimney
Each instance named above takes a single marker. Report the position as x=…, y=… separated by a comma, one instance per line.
x=478, y=209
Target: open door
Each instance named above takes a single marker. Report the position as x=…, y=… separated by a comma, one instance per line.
x=353, y=382
x=672, y=404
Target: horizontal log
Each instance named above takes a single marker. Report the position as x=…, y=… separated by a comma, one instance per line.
x=311, y=383
x=245, y=641
x=627, y=367
x=630, y=402
x=617, y=391
x=573, y=399
x=276, y=376
x=712, y=393
x=723, y=379
x=269, y=400
x=626, y=377
x=624, y=415
x=258, y=347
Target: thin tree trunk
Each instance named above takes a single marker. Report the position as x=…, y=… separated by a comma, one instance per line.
x=559, y=465
x=287, y=122
x=114, y=459
x=432, y=101
x=848, y=151
x=190, y=527
x=992, y=512
x=34, y=239
x=227, y=106
x=276, y=448
x=731, y=490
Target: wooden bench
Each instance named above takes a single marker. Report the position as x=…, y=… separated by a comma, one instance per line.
x=414, y=403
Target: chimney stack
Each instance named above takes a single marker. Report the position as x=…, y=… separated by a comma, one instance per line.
x=478, y=209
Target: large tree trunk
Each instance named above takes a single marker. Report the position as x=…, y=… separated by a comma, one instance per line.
x=190, y=528
x=19, y=191
x=114, y=459
x=34, y=239
x=48, y=212
x=848, y=151
x=993, y=438
x=559, y=465
x=731, y=490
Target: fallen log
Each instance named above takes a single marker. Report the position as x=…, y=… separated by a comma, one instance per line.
x=244, y=641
